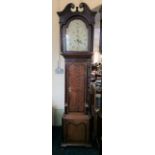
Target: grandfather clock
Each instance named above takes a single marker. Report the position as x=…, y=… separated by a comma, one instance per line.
x=76, y=37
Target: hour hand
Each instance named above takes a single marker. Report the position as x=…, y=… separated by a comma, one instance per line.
x=79, y=41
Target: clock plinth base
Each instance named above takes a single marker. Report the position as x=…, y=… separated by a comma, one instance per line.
x=75, y=145
x=76, y=130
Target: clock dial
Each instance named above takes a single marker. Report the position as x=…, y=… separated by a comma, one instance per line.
x=77, y=36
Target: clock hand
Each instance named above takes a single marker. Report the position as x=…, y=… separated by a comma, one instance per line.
x=79, y=41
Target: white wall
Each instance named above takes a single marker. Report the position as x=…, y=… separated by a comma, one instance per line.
x=58, y=79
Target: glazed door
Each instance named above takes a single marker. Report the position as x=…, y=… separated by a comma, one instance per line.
x=76, y=86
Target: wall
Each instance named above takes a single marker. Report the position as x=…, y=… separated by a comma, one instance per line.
x=58, y=79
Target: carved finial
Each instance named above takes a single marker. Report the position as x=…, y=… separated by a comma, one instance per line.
x=76, y=9
x=84, y=6
x=69, y=7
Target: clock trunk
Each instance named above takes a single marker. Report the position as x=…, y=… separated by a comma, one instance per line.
x=76, y=78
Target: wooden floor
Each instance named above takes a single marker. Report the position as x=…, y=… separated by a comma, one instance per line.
x=57, y=150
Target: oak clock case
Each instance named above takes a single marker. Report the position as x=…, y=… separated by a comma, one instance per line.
x=76, y=37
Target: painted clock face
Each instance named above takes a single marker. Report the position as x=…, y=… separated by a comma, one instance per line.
x=77, y=36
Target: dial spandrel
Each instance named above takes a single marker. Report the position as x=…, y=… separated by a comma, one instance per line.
x=77, y=36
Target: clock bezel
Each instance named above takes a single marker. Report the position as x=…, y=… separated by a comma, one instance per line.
x=64, y=42
x=66, y=16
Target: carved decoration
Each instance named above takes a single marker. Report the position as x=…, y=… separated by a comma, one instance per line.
x=70, y=11
x=81, y=129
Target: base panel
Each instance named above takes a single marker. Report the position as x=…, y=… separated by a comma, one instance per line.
x=76, y=130
x=75, y=145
